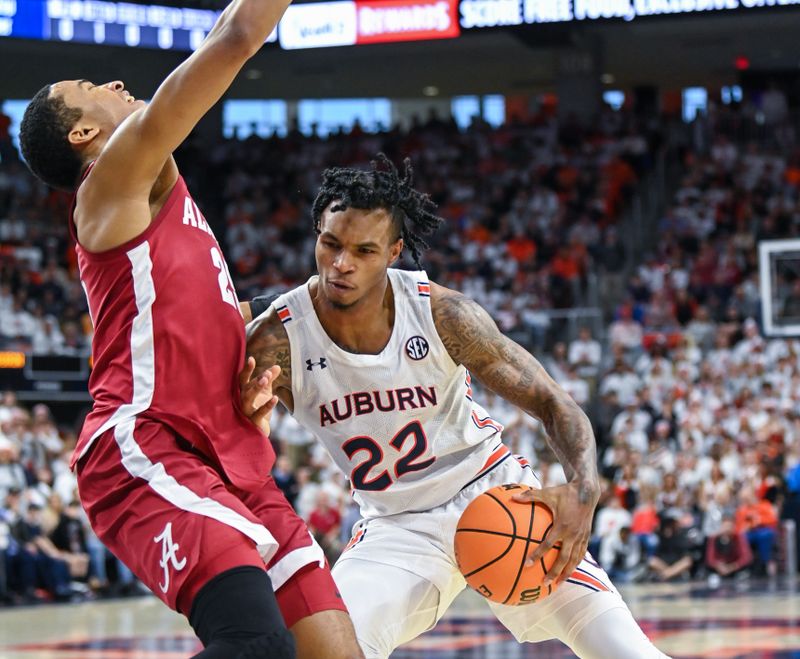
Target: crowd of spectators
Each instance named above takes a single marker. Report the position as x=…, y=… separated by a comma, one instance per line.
x=697, y=415
x=47, y=548
x=529, y=208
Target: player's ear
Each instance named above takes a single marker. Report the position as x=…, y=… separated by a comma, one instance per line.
x=82, y=134
x=395, y=250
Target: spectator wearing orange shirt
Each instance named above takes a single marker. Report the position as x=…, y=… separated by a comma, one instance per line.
x=521, y=248
x=565, y=271
x=645, y=523
x=758, y=520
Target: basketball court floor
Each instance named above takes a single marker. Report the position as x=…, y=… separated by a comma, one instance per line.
x=686, y=620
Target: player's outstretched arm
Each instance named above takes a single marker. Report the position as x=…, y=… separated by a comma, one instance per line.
x=268, y=344
x=473, y=339
x=138, y=150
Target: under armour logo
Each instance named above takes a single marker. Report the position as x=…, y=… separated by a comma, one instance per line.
x=169, y=555
x=321, y=363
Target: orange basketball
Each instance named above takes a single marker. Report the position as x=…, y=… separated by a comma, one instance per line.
x=494, y=537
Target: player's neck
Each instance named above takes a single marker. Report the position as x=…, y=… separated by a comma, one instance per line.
x=365, y=327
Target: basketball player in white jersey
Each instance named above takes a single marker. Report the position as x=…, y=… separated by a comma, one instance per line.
x=377, y=362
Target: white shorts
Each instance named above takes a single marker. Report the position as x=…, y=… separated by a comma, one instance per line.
x=398, y=576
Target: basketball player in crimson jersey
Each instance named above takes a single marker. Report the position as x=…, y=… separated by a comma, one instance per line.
x=173, y=469
x=377, y=362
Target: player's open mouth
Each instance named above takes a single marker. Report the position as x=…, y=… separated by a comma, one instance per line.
x=339, y=286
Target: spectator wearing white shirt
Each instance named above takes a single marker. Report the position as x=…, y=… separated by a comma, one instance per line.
x=585, y=354
x=620, y=555
x=576, y=387
x=625, y=331
x=17, y=325
x=621, y=380
x=634, y=438
x=47, y=338
x=640, y=420
x=701, y=329
x=557, y=364
x=611, y=518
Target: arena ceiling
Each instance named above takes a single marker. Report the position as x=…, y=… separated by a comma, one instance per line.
x=665, y=52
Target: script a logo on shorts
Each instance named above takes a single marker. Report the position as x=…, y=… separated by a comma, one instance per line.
x=169, y=555
x=417, y=348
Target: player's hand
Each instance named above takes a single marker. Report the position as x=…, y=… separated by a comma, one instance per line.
x=258, y=401
x=572, y=506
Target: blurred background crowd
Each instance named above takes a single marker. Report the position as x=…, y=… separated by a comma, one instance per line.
x=656, y=332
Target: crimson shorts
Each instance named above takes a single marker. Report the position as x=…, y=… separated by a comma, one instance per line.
x=170, y=516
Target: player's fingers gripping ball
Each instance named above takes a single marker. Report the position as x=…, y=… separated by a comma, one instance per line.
x=494, y=537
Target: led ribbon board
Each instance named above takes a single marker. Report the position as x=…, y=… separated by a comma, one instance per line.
x=323, y=24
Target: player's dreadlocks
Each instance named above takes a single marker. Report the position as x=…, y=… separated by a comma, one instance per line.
x=411, y=210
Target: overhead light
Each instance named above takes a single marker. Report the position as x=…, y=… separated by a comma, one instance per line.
x=430, y=90
x=607, y=79
x=252, y=74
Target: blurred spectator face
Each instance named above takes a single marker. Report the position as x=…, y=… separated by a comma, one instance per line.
x=8, y=454
x=73, y=510
x=34, y=514
x=41, y=413
x=303, y=476
x=44, y=475
x=283, y=465
x=747, y=496
x=12, y=499
x=726, y=528
x=750, y=328
x=668, y=526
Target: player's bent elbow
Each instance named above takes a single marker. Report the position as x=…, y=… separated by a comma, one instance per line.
x=240, y=41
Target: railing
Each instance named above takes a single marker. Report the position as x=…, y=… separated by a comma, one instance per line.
x=540, y=329
x=787, y=547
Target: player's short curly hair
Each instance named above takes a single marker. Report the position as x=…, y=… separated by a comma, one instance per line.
x=43, y=136
x=381, y=187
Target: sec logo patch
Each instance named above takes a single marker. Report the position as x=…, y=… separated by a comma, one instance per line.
x=417, y=348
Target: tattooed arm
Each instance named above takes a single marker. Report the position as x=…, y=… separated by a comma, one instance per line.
x=473, y=339
x=268, y=343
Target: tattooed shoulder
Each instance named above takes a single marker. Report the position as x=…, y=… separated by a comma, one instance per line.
x=268, y=342
x=466, y=330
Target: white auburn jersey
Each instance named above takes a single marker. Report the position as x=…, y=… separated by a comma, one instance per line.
x=401, y=424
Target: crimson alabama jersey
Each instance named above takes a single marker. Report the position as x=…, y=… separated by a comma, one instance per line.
x=169, y=340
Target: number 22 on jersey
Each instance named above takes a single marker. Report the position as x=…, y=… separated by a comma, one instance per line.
x=406, y=463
